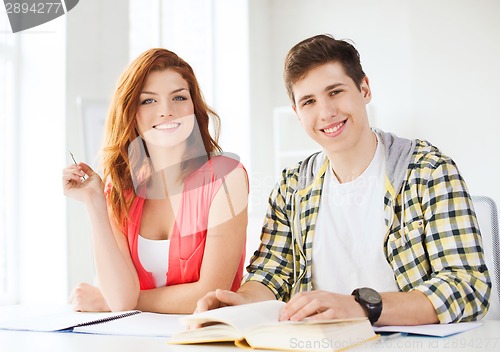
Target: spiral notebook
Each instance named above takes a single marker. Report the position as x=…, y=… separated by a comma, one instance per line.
x=64, y=321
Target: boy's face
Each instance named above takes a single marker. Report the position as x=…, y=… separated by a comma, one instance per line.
x=331, y=108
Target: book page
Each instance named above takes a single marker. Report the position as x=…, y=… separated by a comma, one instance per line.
x=243, y=317
x=144, y=324
x=258, y=326
x=327, y=335
x=210, y=333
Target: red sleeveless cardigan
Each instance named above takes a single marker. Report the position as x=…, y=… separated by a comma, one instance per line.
x=187, y=241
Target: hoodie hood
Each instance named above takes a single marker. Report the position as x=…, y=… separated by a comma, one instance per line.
x=398, y=152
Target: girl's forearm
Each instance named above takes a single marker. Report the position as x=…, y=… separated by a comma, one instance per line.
x=118, y=283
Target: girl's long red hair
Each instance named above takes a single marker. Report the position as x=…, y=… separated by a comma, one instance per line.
x=121, y=125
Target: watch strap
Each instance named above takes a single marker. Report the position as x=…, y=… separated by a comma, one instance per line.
x=373, y=310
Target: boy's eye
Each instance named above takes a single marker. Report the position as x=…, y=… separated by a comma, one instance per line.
x=147, y=101
x=335, y=92
x=307, y=102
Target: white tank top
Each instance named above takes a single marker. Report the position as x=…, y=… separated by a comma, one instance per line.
x=350, y=229
x=153, y=255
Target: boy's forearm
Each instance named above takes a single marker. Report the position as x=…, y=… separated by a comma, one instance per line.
x=406, y=308
x=253, y=291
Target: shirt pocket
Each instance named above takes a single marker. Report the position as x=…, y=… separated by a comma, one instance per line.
x=406, y=247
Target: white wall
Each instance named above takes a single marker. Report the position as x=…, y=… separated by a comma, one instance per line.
x=433, y=67
x=262, y=96
x=97, y=52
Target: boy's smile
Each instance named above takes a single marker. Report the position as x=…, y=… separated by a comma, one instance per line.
x=331, y=108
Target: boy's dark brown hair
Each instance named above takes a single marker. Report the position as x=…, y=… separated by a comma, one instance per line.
x=316, y=51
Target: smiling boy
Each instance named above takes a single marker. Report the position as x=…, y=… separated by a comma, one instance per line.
x=374, y=225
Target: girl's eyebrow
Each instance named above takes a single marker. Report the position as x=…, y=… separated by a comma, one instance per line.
x=178, y=90
x=173, y=92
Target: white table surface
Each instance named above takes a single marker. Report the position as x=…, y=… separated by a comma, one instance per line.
x=483, y=338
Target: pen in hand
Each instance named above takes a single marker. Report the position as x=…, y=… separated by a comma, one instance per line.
x=73, y=157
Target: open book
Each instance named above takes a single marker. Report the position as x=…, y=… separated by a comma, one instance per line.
x=257, y=325
x=133, y=322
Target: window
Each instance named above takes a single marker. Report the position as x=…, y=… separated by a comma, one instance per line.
x=144, y=21
x=8, y=165
x=32, y=138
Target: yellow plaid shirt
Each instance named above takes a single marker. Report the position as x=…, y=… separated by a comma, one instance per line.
x=432, y=242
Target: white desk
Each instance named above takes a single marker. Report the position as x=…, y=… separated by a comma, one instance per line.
x=484, y=338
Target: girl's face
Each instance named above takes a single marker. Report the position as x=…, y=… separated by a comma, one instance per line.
x=165, y=116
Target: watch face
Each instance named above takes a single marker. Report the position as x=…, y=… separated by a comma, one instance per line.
x=369, y=295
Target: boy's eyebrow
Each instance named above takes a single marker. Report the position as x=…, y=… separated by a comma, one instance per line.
x=305, y=97
x=333, y=86
x=328, y=88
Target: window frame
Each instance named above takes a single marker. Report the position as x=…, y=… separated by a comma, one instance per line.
x=9, y=55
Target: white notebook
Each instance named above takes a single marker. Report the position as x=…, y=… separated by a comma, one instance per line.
x=144, y=324
x=134, y=323
x=437, y=330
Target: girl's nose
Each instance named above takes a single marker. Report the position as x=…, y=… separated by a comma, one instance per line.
x=166, y=111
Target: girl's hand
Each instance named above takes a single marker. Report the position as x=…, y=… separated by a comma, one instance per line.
x=88, y=298
x=82, y=183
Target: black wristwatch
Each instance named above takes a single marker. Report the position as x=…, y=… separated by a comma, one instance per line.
x=370, y=300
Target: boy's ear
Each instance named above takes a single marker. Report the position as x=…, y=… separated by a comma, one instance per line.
x=366, y=90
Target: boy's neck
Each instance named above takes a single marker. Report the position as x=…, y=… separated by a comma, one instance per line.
x=349, y=165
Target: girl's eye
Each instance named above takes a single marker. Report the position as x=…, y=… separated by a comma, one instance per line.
x=180, y=98
x=147, y=101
